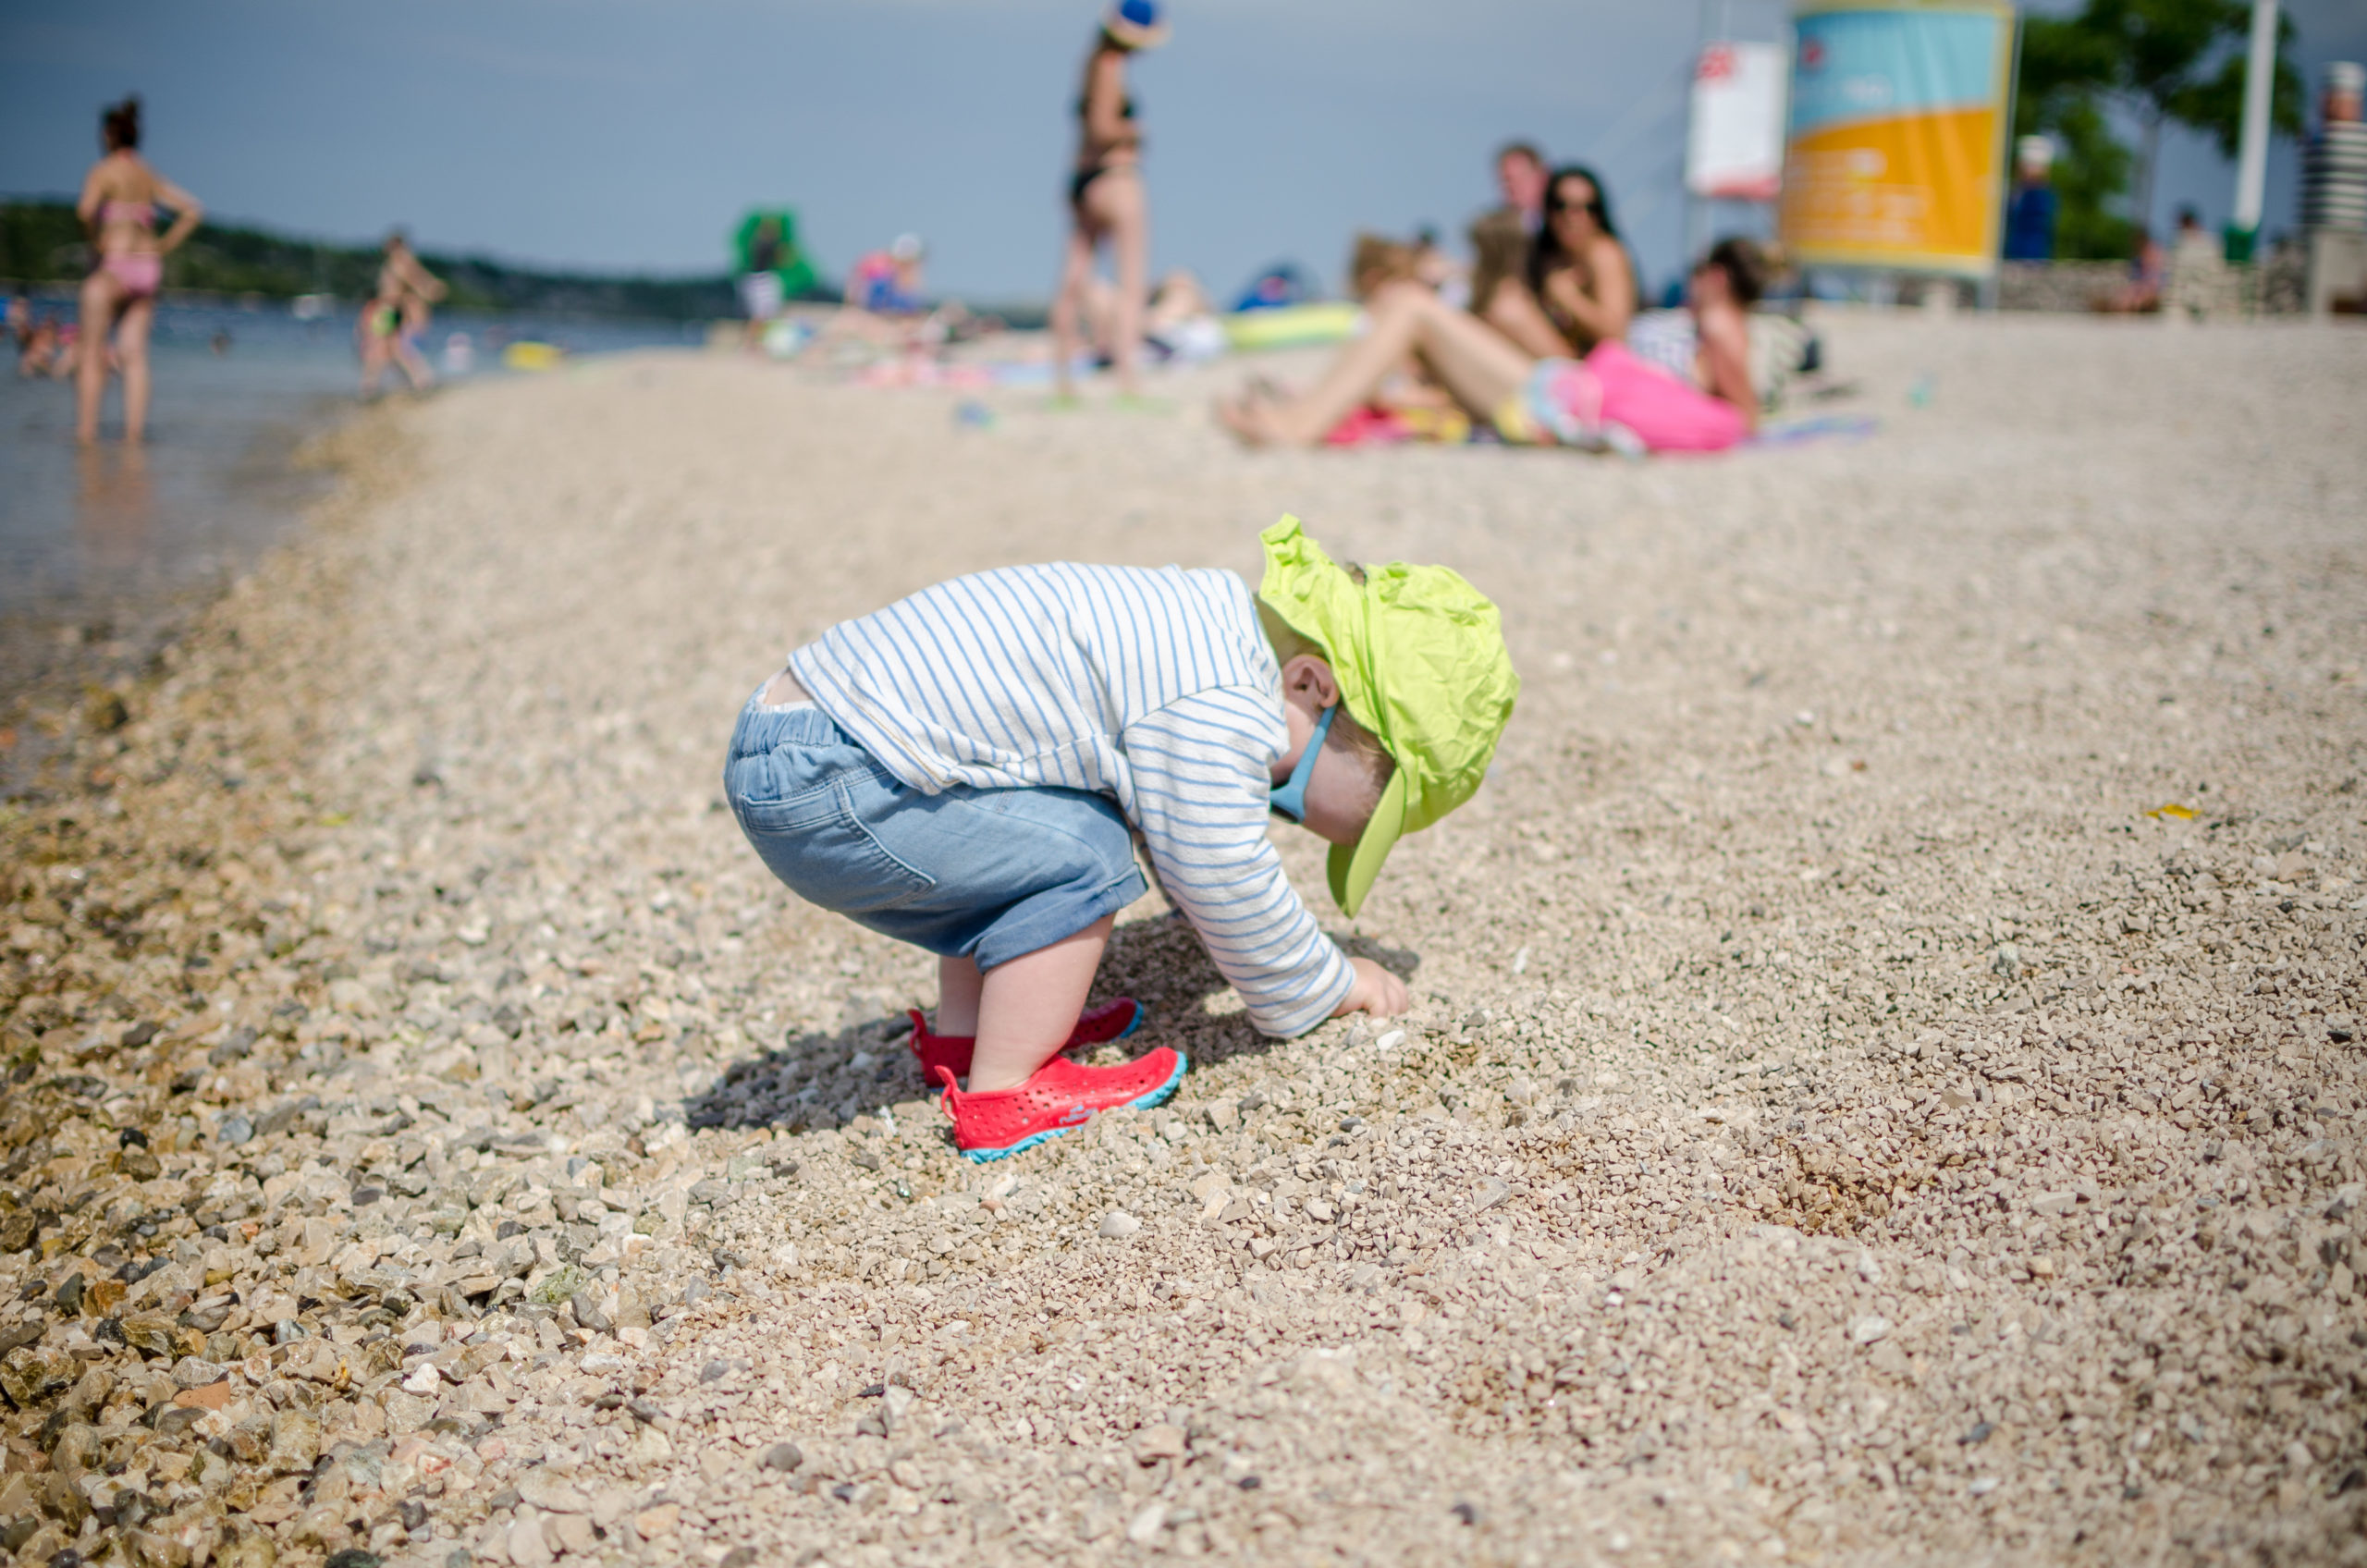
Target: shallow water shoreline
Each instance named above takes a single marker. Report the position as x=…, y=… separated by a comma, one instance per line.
x=107, y=553
x=70, y=660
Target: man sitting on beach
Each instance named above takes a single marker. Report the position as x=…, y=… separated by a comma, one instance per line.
x=1499, y=240
x=967, y=770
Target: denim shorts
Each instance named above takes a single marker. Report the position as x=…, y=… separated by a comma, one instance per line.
x=989, y=875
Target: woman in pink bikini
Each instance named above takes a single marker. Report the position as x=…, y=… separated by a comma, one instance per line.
x=120, y=196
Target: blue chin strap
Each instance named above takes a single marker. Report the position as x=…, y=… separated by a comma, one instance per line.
x=1289, y=802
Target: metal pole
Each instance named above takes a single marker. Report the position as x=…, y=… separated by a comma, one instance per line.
x=1697, y=216
x=2251, y=160
x=1990, y=290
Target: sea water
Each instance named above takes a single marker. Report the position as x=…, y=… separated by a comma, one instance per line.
x=103, y=549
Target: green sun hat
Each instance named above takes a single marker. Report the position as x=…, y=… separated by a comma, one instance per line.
x=1420, y=659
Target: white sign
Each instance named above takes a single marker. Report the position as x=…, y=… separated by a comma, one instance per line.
x=1735, y=147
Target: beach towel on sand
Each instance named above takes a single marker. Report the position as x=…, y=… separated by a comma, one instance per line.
x=1814, y=427
x=1373, y=425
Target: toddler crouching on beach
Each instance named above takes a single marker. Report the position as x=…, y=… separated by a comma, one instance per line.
x=965, y=770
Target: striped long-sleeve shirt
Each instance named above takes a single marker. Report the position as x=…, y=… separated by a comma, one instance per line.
x=1155, y=688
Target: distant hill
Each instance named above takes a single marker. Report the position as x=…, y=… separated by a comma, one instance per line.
x=43, y=242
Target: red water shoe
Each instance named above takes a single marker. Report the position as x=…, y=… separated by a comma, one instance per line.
x=1061, y=1095
x=1110, y=1021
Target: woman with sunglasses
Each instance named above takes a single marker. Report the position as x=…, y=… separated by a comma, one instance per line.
x=1580, y=287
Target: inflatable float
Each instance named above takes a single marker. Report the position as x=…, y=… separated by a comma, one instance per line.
x=526, y=354
x=1292, y=326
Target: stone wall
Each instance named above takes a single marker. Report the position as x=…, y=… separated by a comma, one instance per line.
x=2057, y=285
x=2274, y=287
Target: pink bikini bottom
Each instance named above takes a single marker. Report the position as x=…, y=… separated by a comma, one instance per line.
x=139, y=272
x=1613, y=398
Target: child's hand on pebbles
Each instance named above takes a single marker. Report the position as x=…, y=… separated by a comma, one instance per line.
x=1376, y=991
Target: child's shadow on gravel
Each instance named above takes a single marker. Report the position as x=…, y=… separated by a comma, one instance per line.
x=825, y=1079
x=813, y=1080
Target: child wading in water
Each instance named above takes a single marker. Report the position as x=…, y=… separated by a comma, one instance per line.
x=965, y=770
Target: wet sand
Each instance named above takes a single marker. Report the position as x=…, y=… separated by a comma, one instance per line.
x=1884, y=1085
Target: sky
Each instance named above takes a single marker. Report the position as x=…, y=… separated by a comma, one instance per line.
x=631, y=134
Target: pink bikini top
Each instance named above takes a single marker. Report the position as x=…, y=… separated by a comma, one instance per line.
x=128, y=212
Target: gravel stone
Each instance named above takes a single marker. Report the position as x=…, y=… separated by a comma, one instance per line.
x=1154, y=1443
x=1147, y=1523
x=383, y=1163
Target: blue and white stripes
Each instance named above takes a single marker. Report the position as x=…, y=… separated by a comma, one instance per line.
x=1154, y=688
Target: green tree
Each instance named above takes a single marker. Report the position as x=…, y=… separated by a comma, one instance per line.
x=44, y=241
x=2091, y=175
x=2184, y=60
x=2059, y=93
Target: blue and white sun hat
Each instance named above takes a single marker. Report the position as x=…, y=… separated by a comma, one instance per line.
x=1135, y=24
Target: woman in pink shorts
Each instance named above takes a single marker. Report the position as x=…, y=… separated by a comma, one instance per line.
x=118, y=205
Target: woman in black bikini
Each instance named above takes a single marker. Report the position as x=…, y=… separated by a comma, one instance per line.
x=1106, y=200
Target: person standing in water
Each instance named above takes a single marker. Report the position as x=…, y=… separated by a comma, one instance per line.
x=1106, y=200
x=395, y=318
x=118, y=205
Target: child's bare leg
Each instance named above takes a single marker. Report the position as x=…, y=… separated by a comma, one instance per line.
x=1027, y=1008
x=958, y=986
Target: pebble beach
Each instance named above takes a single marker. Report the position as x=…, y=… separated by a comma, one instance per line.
x=1883, y=1083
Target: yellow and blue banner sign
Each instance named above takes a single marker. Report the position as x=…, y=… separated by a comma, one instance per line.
x=1896, y=151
